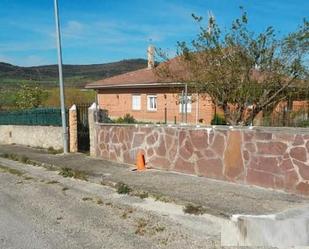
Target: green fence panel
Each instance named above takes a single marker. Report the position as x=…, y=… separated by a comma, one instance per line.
x=38, y=116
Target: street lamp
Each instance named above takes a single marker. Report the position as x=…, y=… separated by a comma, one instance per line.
x=63, y=114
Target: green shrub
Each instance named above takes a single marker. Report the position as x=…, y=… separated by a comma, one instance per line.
x=218, y=120
x=122, y=188
x=304, y=123
x=126, y=119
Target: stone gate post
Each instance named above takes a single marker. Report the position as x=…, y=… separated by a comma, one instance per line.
x=73, y=129
x=92, y=129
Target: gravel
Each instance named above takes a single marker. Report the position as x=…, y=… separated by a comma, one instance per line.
x=71, y=213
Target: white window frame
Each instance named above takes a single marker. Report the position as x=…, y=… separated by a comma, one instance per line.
x=189, y=105
x=155, y=105
x=136, y=106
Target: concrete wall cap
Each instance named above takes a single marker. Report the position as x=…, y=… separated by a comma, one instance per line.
x=93, y=106
x=73, y=108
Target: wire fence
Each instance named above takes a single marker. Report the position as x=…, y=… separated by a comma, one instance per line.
x=282, y=115
x=38, y=116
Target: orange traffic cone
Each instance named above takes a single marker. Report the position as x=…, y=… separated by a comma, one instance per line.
x=140, y=161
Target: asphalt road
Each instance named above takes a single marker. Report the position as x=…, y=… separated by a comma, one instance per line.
x=40, y=209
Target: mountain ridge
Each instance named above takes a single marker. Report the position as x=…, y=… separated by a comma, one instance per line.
x=74, y=75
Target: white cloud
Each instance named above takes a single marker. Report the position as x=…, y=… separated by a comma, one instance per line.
x=73, y=29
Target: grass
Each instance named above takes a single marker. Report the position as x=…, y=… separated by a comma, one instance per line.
x=28, y=177
x=77, y=174
x=99, y=201
x=11, y=171
x=141, y=227
x=194, y=209
x=126, y=213
x=123, y=188
x=66, y=172
x=160, y=197
x=24, y=159
x=140, y=194
x=81, y=175
x=52, y=182
x=53, y=151
x=19, y=158
x=87, y=199
x=13, y=157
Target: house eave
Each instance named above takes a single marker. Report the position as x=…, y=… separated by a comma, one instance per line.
x=134, y=86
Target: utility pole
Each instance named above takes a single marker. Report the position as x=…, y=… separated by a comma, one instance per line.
x=61, y=86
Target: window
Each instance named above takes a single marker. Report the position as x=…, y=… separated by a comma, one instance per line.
x=182, y=105
x=136, y=102
x=151, y=102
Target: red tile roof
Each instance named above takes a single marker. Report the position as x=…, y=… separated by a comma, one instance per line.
x=139, y=78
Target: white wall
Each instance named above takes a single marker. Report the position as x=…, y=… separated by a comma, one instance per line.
x=41, y=136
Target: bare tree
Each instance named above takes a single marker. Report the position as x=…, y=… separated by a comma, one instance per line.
x=243, y=72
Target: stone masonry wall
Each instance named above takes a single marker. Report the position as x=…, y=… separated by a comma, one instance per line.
x=272, y=158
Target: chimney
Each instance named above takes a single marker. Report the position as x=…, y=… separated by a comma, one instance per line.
x=150, y=54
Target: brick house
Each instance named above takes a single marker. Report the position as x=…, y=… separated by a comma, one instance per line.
x=147, y=97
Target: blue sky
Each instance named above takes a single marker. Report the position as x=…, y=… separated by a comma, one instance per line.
x=98, y=31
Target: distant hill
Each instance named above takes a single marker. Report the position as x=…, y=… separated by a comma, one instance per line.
x=74, y=75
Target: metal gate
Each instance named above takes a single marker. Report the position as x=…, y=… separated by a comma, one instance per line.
x=83, y=139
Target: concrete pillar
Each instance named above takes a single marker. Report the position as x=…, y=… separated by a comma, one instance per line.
x=92, y=129
x=73, y=129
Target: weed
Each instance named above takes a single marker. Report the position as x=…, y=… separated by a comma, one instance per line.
x=68, y=172
x=28, y=177
x=13, y=157
x=53, y=151
x=59, y=218
x=126, y=213
x=19, y=182
x=38, y=147
x=5, y=155
x=11, y=171
x=164, y=241
x=65, y=188
x=87, y=199
x=24, y=159
x=122, y=188
x=99, y=201
x=194, y=209
x=141, y=194
x=33, y=163
x=52, y=182
x=159, y=229
x=159, y=197
x=141, y=227
x=80, y=175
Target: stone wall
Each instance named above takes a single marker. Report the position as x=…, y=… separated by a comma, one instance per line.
x=273, y=158
x=34, y=136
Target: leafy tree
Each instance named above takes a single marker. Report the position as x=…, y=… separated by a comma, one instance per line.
x=30, y=96
x=243, y=72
